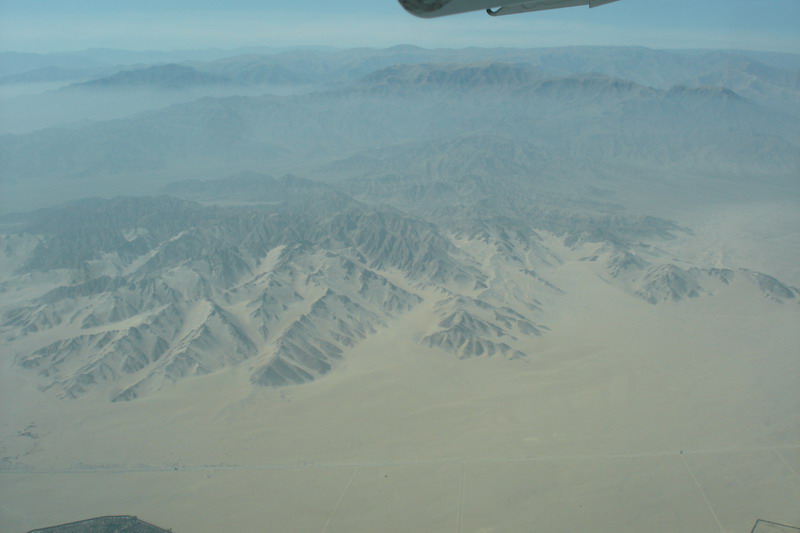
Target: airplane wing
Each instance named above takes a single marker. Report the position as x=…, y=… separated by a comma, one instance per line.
x=438, y=8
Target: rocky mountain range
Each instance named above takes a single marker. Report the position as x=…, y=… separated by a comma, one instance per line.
x=451, y=181
x=126, y=296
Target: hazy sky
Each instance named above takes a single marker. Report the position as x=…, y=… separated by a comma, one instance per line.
x=58, y=25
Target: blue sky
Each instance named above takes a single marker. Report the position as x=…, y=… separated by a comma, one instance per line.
x=58, y=25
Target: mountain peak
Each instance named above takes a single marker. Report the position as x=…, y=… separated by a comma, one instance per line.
x=706, y=91
x=169, y=76
x=454, y=75
x=590, y=83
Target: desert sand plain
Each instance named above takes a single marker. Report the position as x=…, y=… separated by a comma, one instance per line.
x=629, y=417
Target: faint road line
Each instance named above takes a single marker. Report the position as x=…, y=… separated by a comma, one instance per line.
x=461, y=498
x=703, y=493
x=786, y=462
x=89, y=469
x=341, y=497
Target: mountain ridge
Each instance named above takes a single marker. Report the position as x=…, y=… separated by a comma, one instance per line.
x=169, y=76
x=286, y=291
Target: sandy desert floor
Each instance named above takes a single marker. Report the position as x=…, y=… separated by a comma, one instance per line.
x=627, y=417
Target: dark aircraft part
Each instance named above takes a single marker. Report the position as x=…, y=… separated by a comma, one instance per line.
x=544, y=4
x=105, y=524
x=766, y=526
x=439, y=8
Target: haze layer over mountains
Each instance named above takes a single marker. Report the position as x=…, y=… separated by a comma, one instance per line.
x=405, y=289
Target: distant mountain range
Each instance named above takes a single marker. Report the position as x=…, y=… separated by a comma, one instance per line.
x=169, y=76
x=588, y=118
x=107, y=84
x=668, y=65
